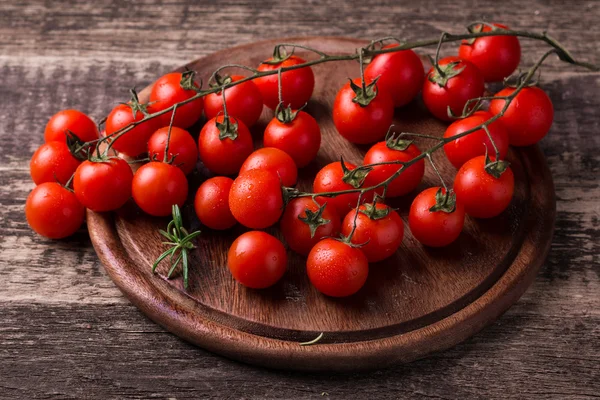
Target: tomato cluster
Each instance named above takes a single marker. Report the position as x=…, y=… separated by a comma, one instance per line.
x=344, y=223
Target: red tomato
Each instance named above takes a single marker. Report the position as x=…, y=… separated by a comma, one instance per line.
x=434, y=228
x=244, y=101
x=495, y=56
x=224, y=156
x=476, y=143
x=296, y=224
x=166, y=92
x=53, y=211
x=296, y=85
x=70, y=120
x=212, y=203
x=181, y=146
x=52, y=162
x=103, y=186
x=362, y=123
x=300, y=138
x=256, y=199
x=380, y=230
x=135, y=141
x=336, y=269
x=329, y=179
x=528, y=117
x=483, y=195
x=454, y=93
x=407, y=181
x=273, y=160
x=257, y=260
x=157, y=186
x=401, y=74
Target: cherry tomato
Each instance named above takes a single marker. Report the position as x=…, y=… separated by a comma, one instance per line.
x=135, y=141
x=224, y=156
x=212, y=203
x=244, y=101
x=53, y=211
x=483, y=195
x=379, y=229
x=495, y=56
x=434, y=228
x=256, y=199
x=476, y=143
x=329, y=179
x=167, y=91
x=103, y=186
x=70, y=120
x=273, y=160
x=528, y=117
x=336, y=269
x=181, y=146
x=257, y=260
x=296, y=85
x=300, y=138
x=362, y=123
x=401, y=74
x=157, y=186
x=52, y=162
x=296, y=224
x=454, y=93
x=407, y=181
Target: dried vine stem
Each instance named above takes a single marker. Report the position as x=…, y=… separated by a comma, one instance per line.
x=366, y=52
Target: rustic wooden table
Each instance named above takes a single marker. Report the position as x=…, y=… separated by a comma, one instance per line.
x=67, y=332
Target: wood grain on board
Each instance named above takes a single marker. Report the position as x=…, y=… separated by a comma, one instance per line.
x=68, y=332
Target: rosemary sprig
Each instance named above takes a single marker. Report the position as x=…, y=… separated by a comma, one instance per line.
x=180, y=242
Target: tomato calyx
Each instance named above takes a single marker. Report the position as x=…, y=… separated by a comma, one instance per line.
x=444, y=201
x=495, y=168
x=520, y=79
x=364, y=94
x=187, y=80
x=279, y=56
x=395, y=142
x=228, y=129
x=374, y=213
x=220, y=81
x=355, y=177
x=441, y=74
x=78, y=148
x=314, y=219
x=135, y=104
x=478, y=27
x=285, y=114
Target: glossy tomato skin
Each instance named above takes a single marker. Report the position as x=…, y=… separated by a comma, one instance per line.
x=256, y=199
x=329, y=179
x=360, y=124
x=300, y=138
x=482, y=195
x=336, y=269
x=167, y=91
x=401, y=74
x=497, y=57
x=297, y=233
x=458, y=90
x=380, y=237
x=52, y=162
x=53, y=211
x=434, y=228
x=181, y=146
x=244, y=102
x=135, y=141
x=257, y=260
x=212, y=203
x=157, y=186
x=528, y=117
x=407, y=181
x=70, y=120
x=296, y=85
x=103, y=186
x=475, y=144
x=224, y=157
x=274, y=160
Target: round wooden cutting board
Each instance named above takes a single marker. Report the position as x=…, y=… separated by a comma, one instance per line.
x=419, y=301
